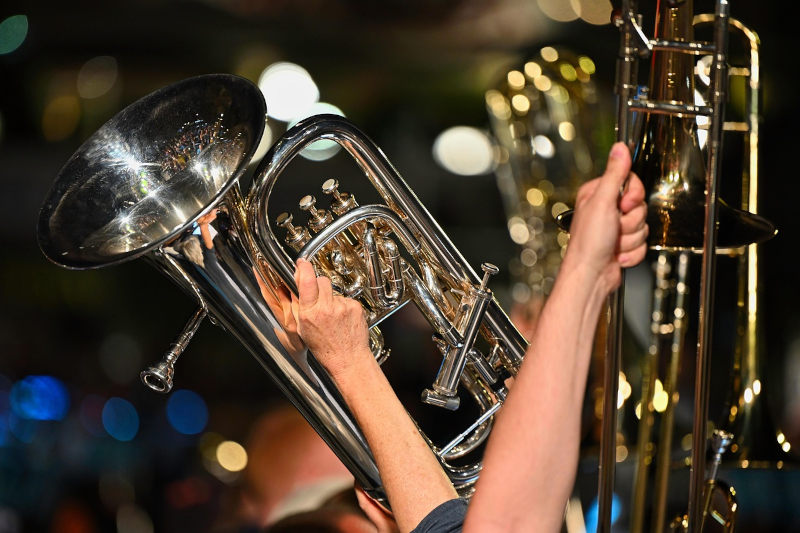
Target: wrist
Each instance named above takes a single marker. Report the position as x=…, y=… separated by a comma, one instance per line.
x=353, y=367
x=585, y=282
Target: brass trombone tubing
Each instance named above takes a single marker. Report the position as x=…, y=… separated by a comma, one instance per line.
x=626, y=81
x=748, y=289
x=661, y=292
x=664, y=451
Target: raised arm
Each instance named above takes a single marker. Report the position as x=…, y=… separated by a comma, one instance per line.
x=335, y=330
x=532, y=454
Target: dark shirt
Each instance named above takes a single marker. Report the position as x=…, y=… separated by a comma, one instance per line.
x=446, y=518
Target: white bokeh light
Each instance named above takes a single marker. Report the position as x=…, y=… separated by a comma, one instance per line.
x=464, y=150
x=324, y=148
x=543, y=146
x=288, y=90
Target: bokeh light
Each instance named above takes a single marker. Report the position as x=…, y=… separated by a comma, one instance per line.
x=231, y=456
x=97, y=76
x=120, y=419
x=543, y=146
x=597, y=12
x=593, y=510
x=187, y=412
x=289, y=90
x=464, y=150
x=324, y=148
x=13, y=31
x=264, y=144
x=518, y=230
x=558, y=10
x=39, y=398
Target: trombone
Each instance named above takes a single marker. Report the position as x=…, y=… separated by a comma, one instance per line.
x=689, y=186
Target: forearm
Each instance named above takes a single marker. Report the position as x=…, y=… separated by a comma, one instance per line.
x=532, y=454
x=412, y=476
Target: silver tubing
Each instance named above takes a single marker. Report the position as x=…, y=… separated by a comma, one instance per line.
x=159, y=377
x=666, y=108
x=358, y=214
x=453, y=363
x=460, y=437
x=702, y=372
x=426, y=303
x=626, y=79
x=223, y=275
x=691, y=47
x=664, y=458
x=395, y=192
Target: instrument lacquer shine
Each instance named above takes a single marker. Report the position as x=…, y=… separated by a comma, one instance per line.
x=161, y=181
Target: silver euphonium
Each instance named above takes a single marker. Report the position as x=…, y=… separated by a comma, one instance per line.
x=161, y=181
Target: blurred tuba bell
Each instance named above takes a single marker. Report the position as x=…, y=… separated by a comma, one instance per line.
x=161, y=181
x=545, y=118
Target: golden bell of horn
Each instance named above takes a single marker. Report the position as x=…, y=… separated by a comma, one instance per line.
x=669, y=159
x=670, y=162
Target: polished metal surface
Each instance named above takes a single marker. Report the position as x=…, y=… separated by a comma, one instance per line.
x=160, y=181
x=686, y=219
x=546, y=115
x=436, y=278
x=151, y=170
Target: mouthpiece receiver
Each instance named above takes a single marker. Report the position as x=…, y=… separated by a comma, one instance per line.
x=159, y=377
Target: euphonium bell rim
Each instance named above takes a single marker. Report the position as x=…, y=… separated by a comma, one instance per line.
x=151, y=171
x=735, y=228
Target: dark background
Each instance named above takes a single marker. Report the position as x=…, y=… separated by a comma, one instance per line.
x=403, y=71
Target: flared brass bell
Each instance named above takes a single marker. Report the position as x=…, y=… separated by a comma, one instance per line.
x=670, y=163
x=678, y=225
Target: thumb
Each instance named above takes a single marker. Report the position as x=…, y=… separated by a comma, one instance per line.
x=306, y=280
x=618, y=168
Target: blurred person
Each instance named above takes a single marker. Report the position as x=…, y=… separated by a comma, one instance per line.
x=290, y=471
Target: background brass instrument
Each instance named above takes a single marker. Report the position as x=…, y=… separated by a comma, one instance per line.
x=553, y=126
x=547, y=117
x=687, y=219
x=162, y=181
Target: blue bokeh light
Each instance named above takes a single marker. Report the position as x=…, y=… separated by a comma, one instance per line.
x=120, y=419
x=591, y=513
x=39, y=398
x=187, y=412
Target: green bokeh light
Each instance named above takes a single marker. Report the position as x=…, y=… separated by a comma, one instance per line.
x=13, y=31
